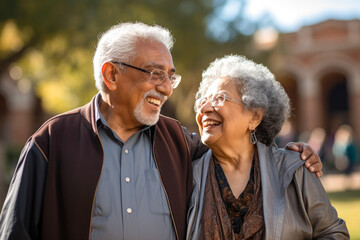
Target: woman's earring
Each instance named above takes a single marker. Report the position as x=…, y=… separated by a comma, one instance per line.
x=253, y=139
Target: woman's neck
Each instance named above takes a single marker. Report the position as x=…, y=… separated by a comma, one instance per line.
x=236, y=163
x=234, y=156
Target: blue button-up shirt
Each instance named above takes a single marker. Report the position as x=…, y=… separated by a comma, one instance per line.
x=130, y=201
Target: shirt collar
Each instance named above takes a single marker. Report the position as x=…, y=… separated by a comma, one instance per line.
x=99, y=118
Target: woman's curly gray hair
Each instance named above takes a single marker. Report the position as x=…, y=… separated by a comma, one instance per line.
x=258, y=88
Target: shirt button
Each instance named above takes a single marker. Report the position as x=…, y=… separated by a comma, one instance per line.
x=127, y=179
x=129, y=210
x=126, y=151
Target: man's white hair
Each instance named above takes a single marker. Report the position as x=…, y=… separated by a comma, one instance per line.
x=119, y=44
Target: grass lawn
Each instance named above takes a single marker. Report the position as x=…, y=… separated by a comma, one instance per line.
x=347, y=204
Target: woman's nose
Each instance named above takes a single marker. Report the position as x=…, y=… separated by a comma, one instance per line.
x=207, y=107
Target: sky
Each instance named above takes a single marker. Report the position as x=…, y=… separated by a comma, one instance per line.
x=290, y=15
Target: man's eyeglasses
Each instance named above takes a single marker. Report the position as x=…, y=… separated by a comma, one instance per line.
x=216, y=100
x=157, y=76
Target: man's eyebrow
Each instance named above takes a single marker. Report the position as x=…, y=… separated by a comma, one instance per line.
x=158, y=66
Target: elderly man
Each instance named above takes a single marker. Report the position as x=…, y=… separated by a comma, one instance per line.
x=114, y=168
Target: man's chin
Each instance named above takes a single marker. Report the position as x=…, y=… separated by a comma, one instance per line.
x=148, y=120
x=145, y=115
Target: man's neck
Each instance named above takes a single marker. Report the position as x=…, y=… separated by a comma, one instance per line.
x=120, y=124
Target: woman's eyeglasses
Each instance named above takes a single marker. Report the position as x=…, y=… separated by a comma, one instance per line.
x=216, y=100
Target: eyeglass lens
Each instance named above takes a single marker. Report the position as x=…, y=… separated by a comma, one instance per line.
x=158, y=76
x=216, y=100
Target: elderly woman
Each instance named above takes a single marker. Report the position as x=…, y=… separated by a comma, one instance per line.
x=246, y=187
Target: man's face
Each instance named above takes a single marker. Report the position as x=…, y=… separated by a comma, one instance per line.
x=137, y=95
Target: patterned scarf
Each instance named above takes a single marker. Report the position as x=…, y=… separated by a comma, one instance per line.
x=216, y=223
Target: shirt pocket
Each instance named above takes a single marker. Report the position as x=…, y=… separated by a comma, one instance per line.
x=155, y=193
x=103, y=196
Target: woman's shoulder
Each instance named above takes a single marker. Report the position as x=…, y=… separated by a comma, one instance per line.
x=286, y=162
x=278, y=165
x=280, y=155
x=287, y=157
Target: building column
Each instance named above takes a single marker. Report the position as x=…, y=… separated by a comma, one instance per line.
x=309, y=104
x=354, y=103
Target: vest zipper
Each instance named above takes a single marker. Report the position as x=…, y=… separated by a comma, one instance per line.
x=167, y=197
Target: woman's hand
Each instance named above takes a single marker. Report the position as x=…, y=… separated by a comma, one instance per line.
x=311, y=158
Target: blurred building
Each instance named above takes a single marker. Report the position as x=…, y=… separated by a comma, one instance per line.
x=19, y=109
x=319, y=67
x=20, y=115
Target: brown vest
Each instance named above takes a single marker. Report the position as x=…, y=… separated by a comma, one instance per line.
x=71, y=145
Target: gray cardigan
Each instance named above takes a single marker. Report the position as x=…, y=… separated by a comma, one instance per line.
x=295, y=203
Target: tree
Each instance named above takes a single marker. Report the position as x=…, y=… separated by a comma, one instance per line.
x=55, y=42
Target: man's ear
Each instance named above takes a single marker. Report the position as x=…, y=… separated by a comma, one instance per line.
x=257, y=117
x=108, y=73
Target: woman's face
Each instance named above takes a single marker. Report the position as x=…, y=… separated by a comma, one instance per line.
x=225, y=124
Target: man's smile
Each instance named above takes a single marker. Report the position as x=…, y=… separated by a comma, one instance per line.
x=154, y=101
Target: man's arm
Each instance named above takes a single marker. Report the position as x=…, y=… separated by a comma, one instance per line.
x=196, y=147
x=312, y=160
x=20, y=217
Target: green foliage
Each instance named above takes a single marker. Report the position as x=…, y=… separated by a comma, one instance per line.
x=55, y=42
x=347, y=205
x=12, y=154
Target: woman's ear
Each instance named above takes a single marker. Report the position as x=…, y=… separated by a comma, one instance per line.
x=108, y=73
x=257, y=117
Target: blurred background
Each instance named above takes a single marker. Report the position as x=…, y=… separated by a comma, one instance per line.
x=313, y=48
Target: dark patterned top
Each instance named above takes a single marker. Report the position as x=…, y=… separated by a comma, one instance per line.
x=236, y=208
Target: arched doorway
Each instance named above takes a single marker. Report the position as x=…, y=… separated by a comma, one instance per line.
x=335, y=101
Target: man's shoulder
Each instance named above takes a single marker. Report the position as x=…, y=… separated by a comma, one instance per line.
x=193, y=141
x=67, y=122
x=168, y=123
x=170, y=120
x=69, y=115
x=60, y=120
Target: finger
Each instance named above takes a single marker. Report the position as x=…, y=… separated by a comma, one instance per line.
x=312, y=160
x=293, y=146
x=307, y=152
x=316, y=167
x=319, y=174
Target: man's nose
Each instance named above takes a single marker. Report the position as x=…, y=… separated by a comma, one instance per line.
x=165, y=87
